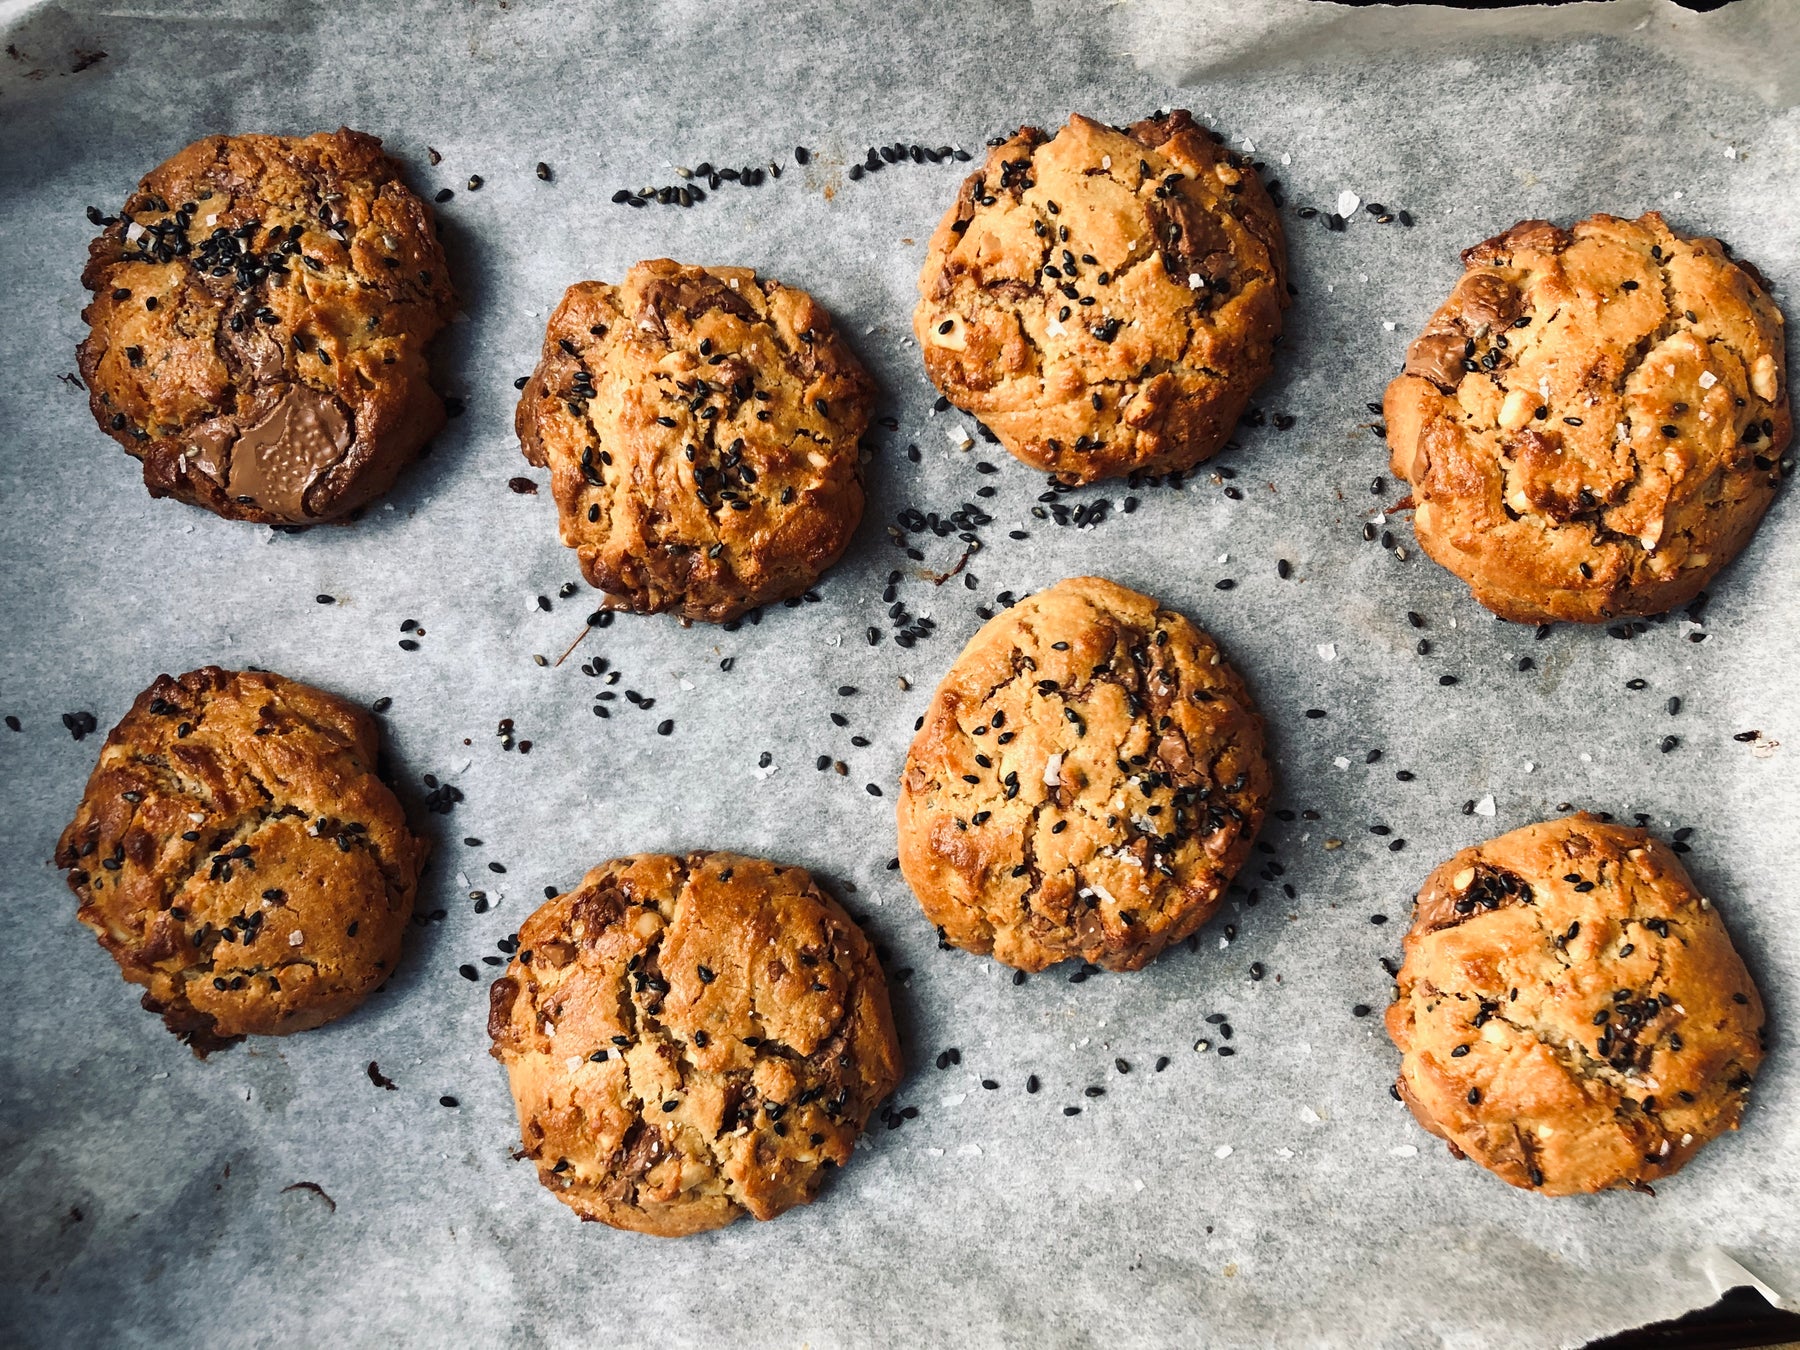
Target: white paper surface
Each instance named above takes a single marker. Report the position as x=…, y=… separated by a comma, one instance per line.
x=1278, y=1196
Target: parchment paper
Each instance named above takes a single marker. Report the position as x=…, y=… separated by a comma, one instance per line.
x=1278, y=1196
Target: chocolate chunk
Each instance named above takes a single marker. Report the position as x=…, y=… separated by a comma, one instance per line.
x=275, y=461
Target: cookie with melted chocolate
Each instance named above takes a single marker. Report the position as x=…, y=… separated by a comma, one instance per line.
x=1106, y=299
x=692, y=1039
x=701, y=426
x=257, y=336
x=1571, y=1013
x=1593, y=423
x=238, y=856
x=1088, y=778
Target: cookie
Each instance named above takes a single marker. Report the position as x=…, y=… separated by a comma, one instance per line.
x=1105, y=300
x=701, y=427
x=258, y=329
x=1571, y=1013
x=1593, y=423
x=238, y=856
x=691, y=1039
x=1086, y=781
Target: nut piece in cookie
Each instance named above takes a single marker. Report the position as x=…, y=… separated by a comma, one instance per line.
x=1088, y=778
x=1106, y=300
x=1571, y=1013
x=258, y=328
x=238, y=856
x=701, y=428
x=690, y=1039
x=1593, y=422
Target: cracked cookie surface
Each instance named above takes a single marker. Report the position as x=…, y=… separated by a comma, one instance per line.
x=690, y=1039
x=701, y=428
x=1571, y=1013
x=237, y=855
x=1089, y=776
x=1593, y=422
x=1105, y=300
x=257, y=334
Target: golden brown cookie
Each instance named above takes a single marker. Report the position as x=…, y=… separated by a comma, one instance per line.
x=1593, y=423
x=238, y=856
x=1105, y=300
x=692, y=1039
x=1088, y=778
x=1571, y=1013
x=258, y=329
x=701, y=429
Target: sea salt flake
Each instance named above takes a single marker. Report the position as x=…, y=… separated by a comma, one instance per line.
x=295, y=938
x=959, y=437
x=1328, y=651
x=1708, y=379
x=1053, y=770
x=1485, y=807
x=969, y=1151
x=1222, y=1151
x=1388, y=324
x=956, y=1099
x=1347, y=203
x=1403, y=1151
x=1340, y=763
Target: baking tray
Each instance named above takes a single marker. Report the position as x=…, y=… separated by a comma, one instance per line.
x=272, y=1195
